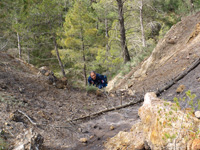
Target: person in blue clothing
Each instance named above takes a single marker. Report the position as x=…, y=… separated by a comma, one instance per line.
x=97, y=79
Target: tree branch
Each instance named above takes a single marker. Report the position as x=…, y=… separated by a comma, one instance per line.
x=4, y=45
x=27, y=117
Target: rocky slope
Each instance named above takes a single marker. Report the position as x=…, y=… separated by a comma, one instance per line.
x=174, y=54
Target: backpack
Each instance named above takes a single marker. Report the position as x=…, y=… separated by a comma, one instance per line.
x=105, y=79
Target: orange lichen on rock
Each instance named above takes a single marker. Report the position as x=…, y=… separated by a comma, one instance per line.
x=196, y=144
x=195, y=33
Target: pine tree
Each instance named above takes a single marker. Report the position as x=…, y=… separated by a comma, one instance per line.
x=45, y=22
x=12, y=14
x=106, y=14
x=81, y=34
x=124, y=47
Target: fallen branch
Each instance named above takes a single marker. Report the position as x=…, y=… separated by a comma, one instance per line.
x=106, y=110
x=179, y=77
x=4, y=45
x=27, y=117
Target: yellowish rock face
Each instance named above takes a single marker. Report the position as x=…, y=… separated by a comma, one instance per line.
x=161, y=124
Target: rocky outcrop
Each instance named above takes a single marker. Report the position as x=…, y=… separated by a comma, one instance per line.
x=29, y=140
x=163, y=125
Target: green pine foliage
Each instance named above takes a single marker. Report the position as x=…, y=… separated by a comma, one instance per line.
x=80, y=39
x=189, y=100
x=87, y=32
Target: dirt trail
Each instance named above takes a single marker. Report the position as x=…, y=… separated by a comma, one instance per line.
x=98, y=130
x=21, y=88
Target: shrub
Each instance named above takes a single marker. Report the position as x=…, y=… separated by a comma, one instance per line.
x=3, y=144
x=91, y=89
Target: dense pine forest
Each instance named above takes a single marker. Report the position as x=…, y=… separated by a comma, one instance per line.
x=73, y=37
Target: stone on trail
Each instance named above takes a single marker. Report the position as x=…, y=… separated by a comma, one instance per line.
x=112, y=127
x=180, y=89
x=43, y=70
x=83, y=140
x=197, y=114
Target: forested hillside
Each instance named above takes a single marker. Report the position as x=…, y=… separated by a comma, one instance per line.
x=73, y=37
x=142, y=45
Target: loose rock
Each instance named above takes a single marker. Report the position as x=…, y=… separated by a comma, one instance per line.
x=112, y=127
x=180, y=89
x=196, y=144
x=197, y=114
x=83, y=140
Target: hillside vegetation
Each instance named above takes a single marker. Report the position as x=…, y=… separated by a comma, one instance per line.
x=73, y=37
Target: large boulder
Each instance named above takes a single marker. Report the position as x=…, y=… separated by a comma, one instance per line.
x=163, y=125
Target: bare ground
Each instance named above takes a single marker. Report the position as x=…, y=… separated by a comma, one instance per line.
x=21, y=88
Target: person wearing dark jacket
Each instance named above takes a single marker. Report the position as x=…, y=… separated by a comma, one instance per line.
x=97, y=79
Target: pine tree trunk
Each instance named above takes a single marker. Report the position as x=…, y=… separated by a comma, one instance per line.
x=125, y=52
x=84, y=60
x=106, y=27
x=107, y=36
x=28, y=56
x=19, y=45
x=58, y=57
x=192, y=6
x=141, y=24
x=97, y=24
